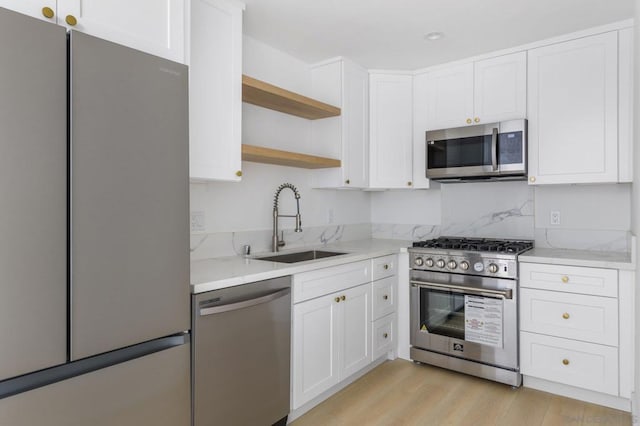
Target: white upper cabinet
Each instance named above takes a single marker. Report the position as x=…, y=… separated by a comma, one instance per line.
x=41, y=9
x=215, y=90
x=155, y=27
x=477, y=92
x=500, y=88
x=450, y=97
x=573, y=111
x=390, y=131
x=342, y=83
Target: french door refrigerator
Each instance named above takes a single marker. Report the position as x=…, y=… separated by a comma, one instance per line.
x=94, y=254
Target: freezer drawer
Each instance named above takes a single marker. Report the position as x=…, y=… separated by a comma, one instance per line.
x=33, y=190
x=151, y=390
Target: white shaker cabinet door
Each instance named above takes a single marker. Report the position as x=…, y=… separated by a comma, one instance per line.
x=390, y=135
x=573, y=111
x=316, y=355
x=450, y=97
x=41, y=9
x=500, y=88
x=215, y=90
x=356, y=303
x=153, y=26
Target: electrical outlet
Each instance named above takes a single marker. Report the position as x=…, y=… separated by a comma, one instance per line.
x=554, y=217
x=197, y=221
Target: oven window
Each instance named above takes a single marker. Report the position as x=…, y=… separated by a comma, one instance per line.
x=442, y=312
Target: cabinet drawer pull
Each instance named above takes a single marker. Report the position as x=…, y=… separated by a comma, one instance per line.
x=337, y=299
x=565, y=361
x=468, y=121
x=477, y=120
x=565, y=279
x=565, y=315
x=385, y=335
x=386, y=266
x=385, y=297
x=343, y=298
x=239, y=173
x=348, y=181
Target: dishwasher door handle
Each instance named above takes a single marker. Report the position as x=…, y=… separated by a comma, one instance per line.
x=244, y=303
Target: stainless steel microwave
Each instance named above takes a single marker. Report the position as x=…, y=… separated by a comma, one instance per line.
x=496, y=151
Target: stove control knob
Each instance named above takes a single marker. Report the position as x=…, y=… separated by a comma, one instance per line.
x=464, y=265
x=452, y=264
x=493, y=268
x=440, y=263
x=429, y=262
x=418, y=261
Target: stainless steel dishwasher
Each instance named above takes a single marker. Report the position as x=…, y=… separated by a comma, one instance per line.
x=241, y=354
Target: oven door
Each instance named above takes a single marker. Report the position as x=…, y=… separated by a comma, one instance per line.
x=497, y=149
x=468, y=317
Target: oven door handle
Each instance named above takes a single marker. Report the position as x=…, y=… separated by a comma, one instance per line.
x=502, y=294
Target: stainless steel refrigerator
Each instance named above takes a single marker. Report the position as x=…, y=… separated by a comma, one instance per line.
x=94, y=254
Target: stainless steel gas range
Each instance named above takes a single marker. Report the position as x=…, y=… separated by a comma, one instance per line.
x=464, y=306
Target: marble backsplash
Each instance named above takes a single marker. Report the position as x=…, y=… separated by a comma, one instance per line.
x=220, y=244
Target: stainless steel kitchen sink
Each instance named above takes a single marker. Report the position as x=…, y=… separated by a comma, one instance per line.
x=300, y=256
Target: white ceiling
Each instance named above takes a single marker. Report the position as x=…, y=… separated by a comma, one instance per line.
x=390, y=33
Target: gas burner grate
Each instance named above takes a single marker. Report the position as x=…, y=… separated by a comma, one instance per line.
x=476, y=244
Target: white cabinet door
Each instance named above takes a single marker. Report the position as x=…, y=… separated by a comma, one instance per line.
x=215, y=90
x=500, y=88
x=155, y=27
x=34, y=8
x=450, y=97
x=345, y=84
x=390, y=134
x=317, y=340
x=420, y=125
x=356, y=329
x=573, y=111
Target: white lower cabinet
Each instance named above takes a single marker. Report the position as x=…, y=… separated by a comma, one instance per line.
x=342, y=322
x=330, y=340
x=573, y=329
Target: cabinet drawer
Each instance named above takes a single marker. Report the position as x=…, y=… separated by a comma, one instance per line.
x=584, y=365
x=383, y=336
x=574, y=316
x=384, y=297
x=328, y=280
x=383, y=267
x=570, y=279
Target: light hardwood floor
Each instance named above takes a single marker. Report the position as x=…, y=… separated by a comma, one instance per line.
x=401, y=393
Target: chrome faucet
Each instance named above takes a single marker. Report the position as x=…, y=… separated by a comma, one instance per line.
x=276, y=242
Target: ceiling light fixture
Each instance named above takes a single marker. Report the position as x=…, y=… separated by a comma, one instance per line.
x=437, y=35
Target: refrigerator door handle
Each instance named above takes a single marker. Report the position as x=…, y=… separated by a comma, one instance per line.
x=243, y=303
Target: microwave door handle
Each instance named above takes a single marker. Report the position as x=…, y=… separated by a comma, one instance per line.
x=494, y=149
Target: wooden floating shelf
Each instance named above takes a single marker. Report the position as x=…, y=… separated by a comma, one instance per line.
x=258, y=154
x=266, y=95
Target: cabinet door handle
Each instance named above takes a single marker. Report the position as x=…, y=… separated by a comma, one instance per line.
x=532, y=179
x=385, y=297
x=343, y=298
x=386, y=266
x=239, y=173
x=565, y=361
x=565, y=315
x=477, y=120
x=47, y=12
x=468, y=121
x=337, y=299
x=565, y=279
x=71, y=20
x=385, y=335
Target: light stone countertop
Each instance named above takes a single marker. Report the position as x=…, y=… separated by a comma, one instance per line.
x=222, y=272
x=594, y=259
